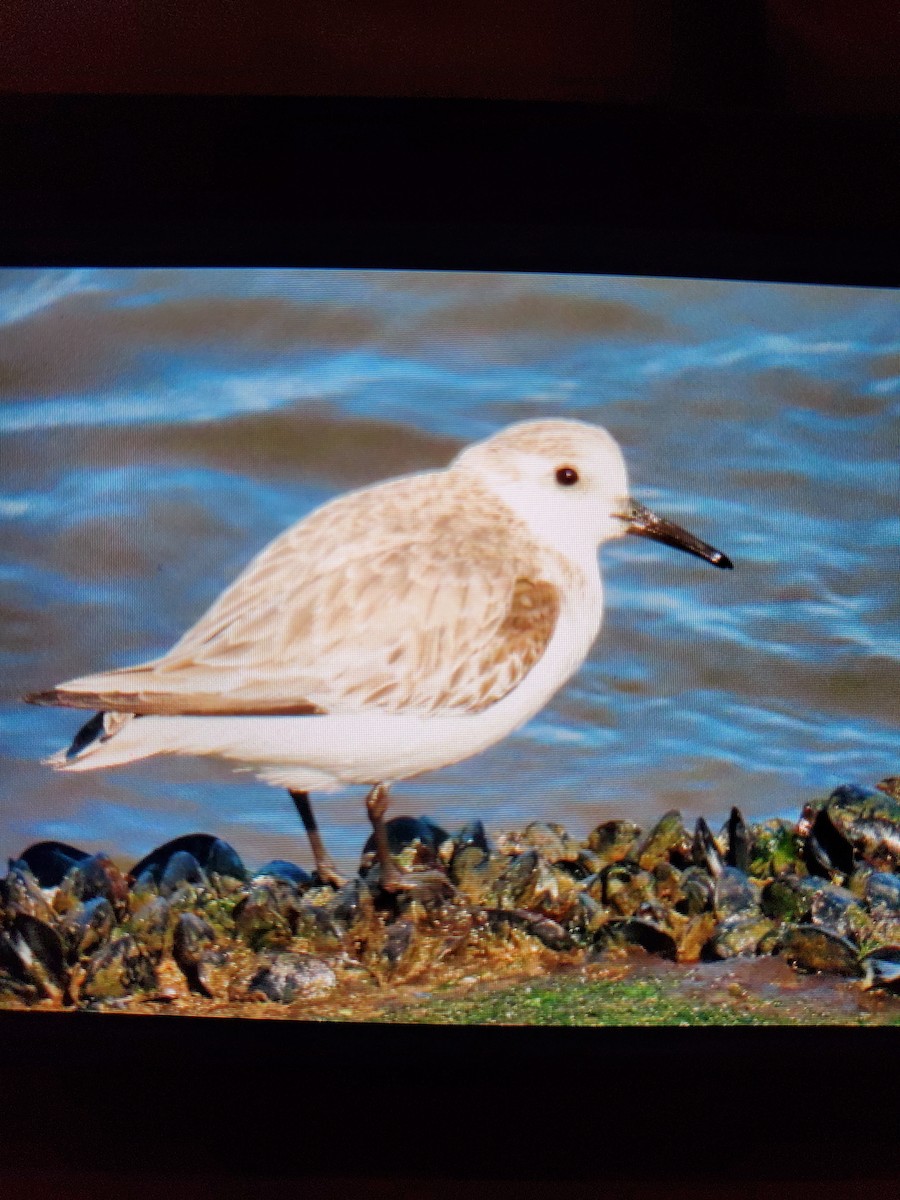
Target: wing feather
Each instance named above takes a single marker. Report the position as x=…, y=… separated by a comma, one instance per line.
x=407, y=597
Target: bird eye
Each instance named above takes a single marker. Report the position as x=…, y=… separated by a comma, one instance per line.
x=566, y=476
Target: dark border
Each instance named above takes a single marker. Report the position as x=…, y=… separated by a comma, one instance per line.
x=446, y=185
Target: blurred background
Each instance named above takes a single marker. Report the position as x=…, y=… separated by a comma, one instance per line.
x=160, y=426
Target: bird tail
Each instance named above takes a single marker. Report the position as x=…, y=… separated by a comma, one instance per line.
x=91, y=747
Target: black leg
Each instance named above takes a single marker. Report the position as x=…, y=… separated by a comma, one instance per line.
x=328, y=872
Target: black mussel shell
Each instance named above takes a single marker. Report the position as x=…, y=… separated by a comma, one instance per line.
x=88, y=926
x=212, y=855
x=704, y=851
x=471, y=834
x=192, y=939
x=20, y=892
x=283, y=871
x=614, y=840
x=265, y=919
x=881, y=967
x=826, y=851
x=118, y=970
x=49, y=862
x=815, y=949
x=350, y=903
x=668, y=837
x=738, y=854
x=403, y=831
x=632, y=931
x=180, y=869
x=882, y=893
x=551, y=841
x=151, y=925
x=733, y=893
x=870, y=821
x=31, y=950
x=96, y=876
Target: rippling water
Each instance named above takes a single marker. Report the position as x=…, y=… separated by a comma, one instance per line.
x=159, y=427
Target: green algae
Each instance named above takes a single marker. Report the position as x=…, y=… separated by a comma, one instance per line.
x=658, y=1000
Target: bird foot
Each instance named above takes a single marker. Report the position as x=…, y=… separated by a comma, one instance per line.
x=329, y=875
x=422, y=885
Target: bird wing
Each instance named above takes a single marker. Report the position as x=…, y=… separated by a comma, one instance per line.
x=422, y=595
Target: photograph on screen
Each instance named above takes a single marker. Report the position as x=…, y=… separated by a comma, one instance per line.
x=436, y=647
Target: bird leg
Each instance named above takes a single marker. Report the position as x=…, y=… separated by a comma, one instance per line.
x=393, y=879
x=325, y=867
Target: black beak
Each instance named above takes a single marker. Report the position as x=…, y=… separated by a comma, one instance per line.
x=644, y=523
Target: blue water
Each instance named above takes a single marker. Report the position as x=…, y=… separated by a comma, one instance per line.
x=158, y=427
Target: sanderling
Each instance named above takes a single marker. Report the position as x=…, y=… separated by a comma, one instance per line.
x=394, y=630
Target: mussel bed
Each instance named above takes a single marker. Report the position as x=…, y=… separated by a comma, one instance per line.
x=189, y=928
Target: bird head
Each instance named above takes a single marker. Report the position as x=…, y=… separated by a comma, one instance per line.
x=568, y=480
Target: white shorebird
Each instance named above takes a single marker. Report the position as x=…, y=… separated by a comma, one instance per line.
x=395, y=630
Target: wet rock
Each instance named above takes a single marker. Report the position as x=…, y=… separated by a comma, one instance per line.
x=318, y=925
x=351, y=905
x=286, y=978
x=472, y=834
x=826, y=852
x=667, y=884
x=473, y=871
x=118, y=970
x=223, y=861
x=588, y=915
x=399, y=942
x=549, y=932
x=526, y=881
x=694, y=936
x=581, y=867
